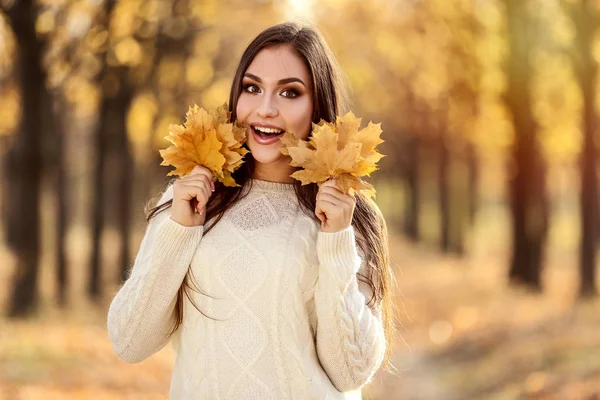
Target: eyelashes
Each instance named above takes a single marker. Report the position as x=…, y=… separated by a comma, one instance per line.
x=252, y=88
x=247, y=87
x=293, y=93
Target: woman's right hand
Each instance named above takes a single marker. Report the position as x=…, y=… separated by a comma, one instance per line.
x=199, y=185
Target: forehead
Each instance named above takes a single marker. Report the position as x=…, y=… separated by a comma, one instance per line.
x=279, y=62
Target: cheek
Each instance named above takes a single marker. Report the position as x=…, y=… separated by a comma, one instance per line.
x=242, y=108
x=303, y=120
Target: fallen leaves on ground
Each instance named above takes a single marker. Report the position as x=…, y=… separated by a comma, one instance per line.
x=463, y=334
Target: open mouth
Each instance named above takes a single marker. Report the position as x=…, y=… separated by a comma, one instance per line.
x=266, y=135
x=266, y=132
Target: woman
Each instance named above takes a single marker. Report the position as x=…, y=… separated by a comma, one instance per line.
x=293, y=282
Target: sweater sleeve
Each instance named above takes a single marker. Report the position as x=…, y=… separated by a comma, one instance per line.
x=350, y=336
x=141, y=315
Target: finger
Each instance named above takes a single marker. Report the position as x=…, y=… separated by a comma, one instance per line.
x=324, y=210
x=333, y=185
x=206, y=189
x=332, y=182
x=195, y=179
x=320, y=213
x=346, y=198
x=199, y=190
x=335, y=192
x=330, y=186
x=343, y=202
x=321, y=216
x=331, y=199
x=200, y=177
x=329, y=208
x=197, y=201
x=199, y=169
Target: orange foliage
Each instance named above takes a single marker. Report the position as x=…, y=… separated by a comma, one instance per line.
x=339, y=150
x=207, y=139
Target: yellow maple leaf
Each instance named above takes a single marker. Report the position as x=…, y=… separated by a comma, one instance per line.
x=206, y=138
x=342, y=151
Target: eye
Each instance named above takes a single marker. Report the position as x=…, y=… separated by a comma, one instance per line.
x=289, y=93
x=251, y=88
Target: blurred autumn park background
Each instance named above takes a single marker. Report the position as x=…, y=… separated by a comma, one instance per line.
x=489, y=187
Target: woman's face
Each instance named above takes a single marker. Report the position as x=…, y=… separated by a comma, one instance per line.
x=276, y=97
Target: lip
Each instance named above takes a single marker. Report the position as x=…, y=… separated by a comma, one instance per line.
x=262, y=125
x=258, y=139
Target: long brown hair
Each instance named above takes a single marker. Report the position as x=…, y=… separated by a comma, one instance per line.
x=329, y=101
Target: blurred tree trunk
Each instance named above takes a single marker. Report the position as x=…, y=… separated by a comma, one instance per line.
x=62, y=275
x=411, y=173
x=411, y=176
x=171, y=100
x=465, y=71
x=98, y=205
x=444, y=187
x=473, y=181
x=53, y=171
x=472, y=90
x=451, y=185
x=585, y=20
x=470, y=151
x=527, y=169
x=58, y=112
x=25, y=164
x=111, y=144
x=125, y=177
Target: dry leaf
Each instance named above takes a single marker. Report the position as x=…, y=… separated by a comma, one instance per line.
x=207, y=138
x=341, y=150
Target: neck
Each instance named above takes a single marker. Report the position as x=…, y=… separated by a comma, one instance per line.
x=273, y=173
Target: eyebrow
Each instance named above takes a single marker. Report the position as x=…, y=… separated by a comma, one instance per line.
x=279, y=82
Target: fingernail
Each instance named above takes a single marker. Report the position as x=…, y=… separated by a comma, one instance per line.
x=212, y=186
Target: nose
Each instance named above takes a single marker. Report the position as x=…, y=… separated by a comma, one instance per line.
x=267, y=109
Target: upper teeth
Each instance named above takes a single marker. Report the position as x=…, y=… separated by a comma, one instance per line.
x=267, y=130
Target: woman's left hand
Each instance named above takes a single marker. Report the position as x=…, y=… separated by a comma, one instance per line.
x=334, y=208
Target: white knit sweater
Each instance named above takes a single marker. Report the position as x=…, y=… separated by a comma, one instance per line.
x=290, y=319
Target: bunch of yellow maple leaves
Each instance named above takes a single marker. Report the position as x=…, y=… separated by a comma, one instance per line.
x=207, y=138
x=339, y=150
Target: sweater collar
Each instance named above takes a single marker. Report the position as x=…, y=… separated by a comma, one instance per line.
x=273, y=186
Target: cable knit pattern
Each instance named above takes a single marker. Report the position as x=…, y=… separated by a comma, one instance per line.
x=287, y=317
x=140, y=316
x=349, y=332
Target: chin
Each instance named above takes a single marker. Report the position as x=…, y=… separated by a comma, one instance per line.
x=266, y=156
